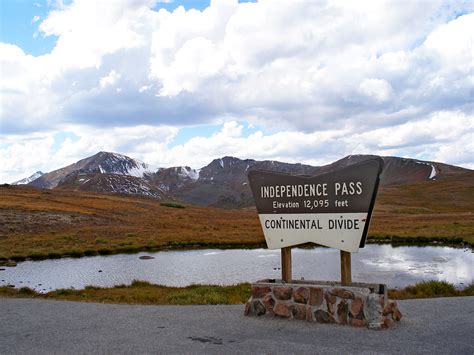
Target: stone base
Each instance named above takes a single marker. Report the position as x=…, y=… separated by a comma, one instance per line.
x=359, y=305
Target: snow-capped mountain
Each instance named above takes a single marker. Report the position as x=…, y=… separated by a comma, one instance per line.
x=175, y=178
x=28, y=179
x=112, y=183
x=223, y=182
x=102, y=162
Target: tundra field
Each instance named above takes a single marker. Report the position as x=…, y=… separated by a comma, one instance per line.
x=39, y=223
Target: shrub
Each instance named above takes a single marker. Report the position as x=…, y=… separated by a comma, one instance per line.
x=75, y=253
x=54, y=255
x=38, y=256
x=172, y=204
x=18, y=258
x=25, y=291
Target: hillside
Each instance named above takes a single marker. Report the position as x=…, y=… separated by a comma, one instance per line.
x=38, y=222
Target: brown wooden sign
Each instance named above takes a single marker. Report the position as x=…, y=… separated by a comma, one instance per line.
x=332, y=209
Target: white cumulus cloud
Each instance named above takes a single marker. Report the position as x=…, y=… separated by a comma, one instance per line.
x=383, y=74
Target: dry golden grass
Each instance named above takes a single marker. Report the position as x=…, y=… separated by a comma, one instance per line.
x=37, y=223
x=440, y=209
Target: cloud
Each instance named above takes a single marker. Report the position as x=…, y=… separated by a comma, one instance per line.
x=110, y=79
x=430, y=138
x=376, y=89
x=298, y=70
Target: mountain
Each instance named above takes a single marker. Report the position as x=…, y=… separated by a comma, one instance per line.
x=112, y=183
x=102, y=162
x=174, y=179
x=221, y=183
x=400, y=170
x=28, y=179
x=224, y=183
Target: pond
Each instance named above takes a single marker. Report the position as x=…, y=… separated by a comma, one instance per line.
x=395, y=266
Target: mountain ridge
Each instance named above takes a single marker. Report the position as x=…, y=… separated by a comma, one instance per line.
x=221, y=183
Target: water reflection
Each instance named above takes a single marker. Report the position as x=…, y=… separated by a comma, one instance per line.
x=396, y=267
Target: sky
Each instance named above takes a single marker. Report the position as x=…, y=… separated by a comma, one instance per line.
x=184, y=82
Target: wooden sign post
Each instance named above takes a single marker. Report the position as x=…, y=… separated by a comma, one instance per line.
x=346, y=276
x=286, y=264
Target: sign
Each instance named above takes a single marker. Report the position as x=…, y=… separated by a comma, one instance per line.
x=332, y=209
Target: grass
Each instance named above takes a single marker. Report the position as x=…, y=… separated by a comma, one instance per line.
x=430, y=289
x=140, y=292
x=38, y=224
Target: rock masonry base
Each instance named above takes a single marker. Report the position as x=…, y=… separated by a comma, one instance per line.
x=359, y=305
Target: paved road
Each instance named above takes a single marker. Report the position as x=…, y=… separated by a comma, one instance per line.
x=442, y=326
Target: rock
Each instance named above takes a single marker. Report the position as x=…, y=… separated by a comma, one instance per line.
x=342, y=312
x=357, y=306
x=397, y=315
x=146, y=257
x=392, y=309
x=330, y=298
x=259, y=292
x=342, y=293
x=309, y=314
x=282, y=293
x=388, y=308
x=301, y=295
x=387, y=323
x=323, y=317
x=357, y=322
x=330, y=301
x=258, y=308
x=2, y=269
x=299, y=311
x=316, y=296
x=282, y=310
x=247, y=308
x=377, y=325
x=374, y=310
x=269, y=303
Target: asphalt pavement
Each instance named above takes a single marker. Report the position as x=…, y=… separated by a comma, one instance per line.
x=29, y=326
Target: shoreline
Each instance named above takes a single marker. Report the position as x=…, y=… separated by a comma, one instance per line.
x=143, y=292
x=109, y=252
x=395, y=241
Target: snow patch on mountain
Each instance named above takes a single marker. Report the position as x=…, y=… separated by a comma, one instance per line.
x=28, y=179
x=120, y=164
x=188, y=173
x=433, y=172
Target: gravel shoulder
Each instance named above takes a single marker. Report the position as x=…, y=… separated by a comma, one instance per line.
x=435, y=326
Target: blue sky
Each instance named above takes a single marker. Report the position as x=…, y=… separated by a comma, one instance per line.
x=19, y=24
x=184, y=82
